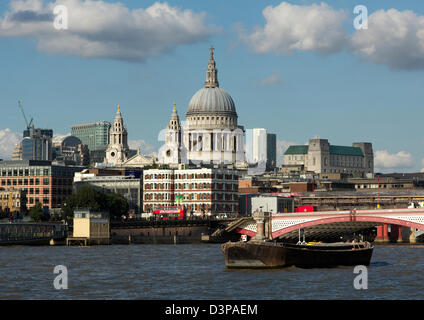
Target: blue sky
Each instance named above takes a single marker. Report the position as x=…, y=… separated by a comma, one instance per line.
x=341, y=96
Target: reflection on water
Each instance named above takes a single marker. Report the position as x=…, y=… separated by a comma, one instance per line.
x=196, y=272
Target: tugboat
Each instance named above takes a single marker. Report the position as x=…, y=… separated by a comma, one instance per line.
x=262, y=253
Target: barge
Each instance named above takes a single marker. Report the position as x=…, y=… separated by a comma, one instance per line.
x=266, y=254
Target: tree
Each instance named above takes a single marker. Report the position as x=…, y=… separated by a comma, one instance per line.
x=36, y=212
x=117, y=205
x=88, y=197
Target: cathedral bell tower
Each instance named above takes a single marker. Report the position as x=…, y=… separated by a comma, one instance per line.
x=117, y=151
x=171, y=151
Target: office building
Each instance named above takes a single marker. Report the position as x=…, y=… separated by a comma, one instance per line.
x=37, y=144
x=42, y=181
x=17, y=152
x=203, y=191
x=93, y=134
x=70, y=150
x=128, y=184
x=261, y=148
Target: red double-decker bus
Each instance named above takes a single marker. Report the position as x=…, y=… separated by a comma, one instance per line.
x=172, y=212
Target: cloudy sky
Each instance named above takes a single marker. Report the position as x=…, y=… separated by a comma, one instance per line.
x=298, y=68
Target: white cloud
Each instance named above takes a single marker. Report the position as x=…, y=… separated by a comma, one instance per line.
x=145, y=148
x=385, y=161
x=282, y=146
x=394, y=38
x=273, y=79
x=98, y=29
x=8, y=140
x=291, y=27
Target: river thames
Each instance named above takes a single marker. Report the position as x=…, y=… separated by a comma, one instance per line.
x=194, y=272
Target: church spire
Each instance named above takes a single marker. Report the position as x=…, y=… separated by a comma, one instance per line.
x=211, y=72
x=174, y=115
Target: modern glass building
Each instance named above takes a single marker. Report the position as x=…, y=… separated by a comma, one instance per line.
x=271, y=150
x=37, y=144
x=94, y=134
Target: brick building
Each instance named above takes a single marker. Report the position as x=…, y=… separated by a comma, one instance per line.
x=42, y=181
x=204, y=190
x=12, y=200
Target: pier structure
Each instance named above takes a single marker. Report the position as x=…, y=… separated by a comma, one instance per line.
x=90, y=227
x=31, y=233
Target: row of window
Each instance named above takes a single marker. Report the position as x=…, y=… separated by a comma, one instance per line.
x=24, y=182
x=25, y=172
x=35, y=181
x=191, y=196
x=200, y=207
x=190, y=186
x=191, y=176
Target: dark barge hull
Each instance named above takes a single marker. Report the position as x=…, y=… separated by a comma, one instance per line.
x=278, y=255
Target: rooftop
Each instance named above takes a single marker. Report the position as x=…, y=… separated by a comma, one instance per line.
x=337, y=150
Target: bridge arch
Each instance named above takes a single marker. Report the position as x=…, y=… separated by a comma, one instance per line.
x=351, y=219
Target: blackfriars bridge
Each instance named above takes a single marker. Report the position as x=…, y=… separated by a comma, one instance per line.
x=327, y=224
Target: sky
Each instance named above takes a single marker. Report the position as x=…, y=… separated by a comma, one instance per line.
x=300, y=69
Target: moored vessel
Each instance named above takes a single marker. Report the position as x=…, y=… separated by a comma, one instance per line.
x=256, y=254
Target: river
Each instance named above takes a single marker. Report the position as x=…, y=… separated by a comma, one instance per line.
x=196, y=272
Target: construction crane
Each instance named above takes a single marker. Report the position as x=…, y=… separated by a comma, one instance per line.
x=26, y=120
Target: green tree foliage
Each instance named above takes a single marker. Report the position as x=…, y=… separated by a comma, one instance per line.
x=88, y=197
x=36, y=213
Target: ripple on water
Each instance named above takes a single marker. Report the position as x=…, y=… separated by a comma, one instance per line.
x=195, y=272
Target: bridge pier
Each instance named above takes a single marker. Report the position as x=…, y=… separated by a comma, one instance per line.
x=382, y=234
x=412, y=237
x=262, y=225
x=396, y=233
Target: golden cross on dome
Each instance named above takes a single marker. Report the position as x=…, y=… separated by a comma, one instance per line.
x=119, y=108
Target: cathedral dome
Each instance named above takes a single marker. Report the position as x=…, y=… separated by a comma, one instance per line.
x=211, y=100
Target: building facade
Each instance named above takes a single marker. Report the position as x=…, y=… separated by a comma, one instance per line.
x=263, y=149
x=42, y=181
x=129, y=186
x=17, y=152
x=70, y=149
x=93, y=134
x=37, y=144
x=206, y=191
x=271, y=151
x=321, y=157
x=12, y=200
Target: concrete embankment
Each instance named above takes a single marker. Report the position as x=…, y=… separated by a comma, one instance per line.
x=162, y=235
